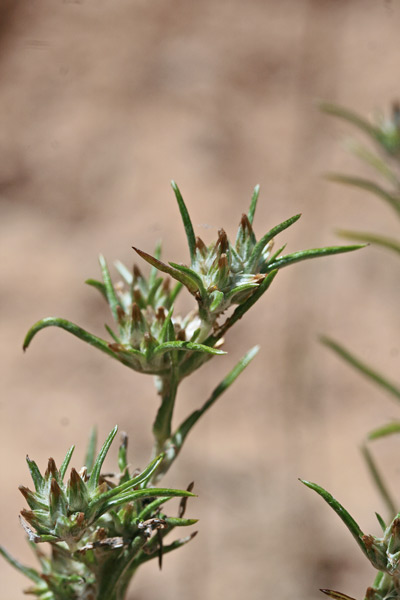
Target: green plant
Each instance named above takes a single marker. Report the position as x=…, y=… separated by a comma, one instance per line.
x=99, y=531
x=383, y=552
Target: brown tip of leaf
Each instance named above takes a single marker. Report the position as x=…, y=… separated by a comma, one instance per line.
x=200, y=245
x=51, y=468
x=137, y=274
x=222, y=240
x=181, y=335
x=116, y=347
x=55, y=488
x=120, y=313
x=223, y=262
x=26, y=492
x=136, y=314
x=80, y=517
x=74, y=477
x=160, y=315
x=245, y=223
x=137, y=295
x=166, y=284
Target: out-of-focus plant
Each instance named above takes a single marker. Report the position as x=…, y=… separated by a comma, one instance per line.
x=102, y=528
x=383, y=552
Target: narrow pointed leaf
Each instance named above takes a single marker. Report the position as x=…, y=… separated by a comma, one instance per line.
x=370, y=238
x=369, y=186
x=124, y=272
x=77, y=331
x=191, y=238
x=179, y=522
x=147, y=493
x=95, y=474
x=347, y=519
x=336, y=595
x=381, y=522
x=253, y=204
x=290, y=259
x=66, y=462
x=168, y=346
x=193, y=276
x=110, y=291
x=32, y=574
x=375, y=161
x=352, y=117
x=379, y=482
x=98, y=285
x=217, y=299
x=385, y=430
x=91, y=450
x=174, y=273
x=183, y=430
x=259, y=247
x=373, y=375
x=35, y=474
x=112, y=334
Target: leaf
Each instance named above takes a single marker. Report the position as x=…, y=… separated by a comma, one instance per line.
x=124, y=272
x=66, y=462
x=98, y=285
x=178, y=275
x=385, y=430
x=191, y=238
x=381, y=522
x=32, y=574
x=186, y=346
x=154, y=270
x=77, y=331
x=336, y=595
x=347, y=519
x=110, y=291
x=369, y=186
x=91, y=450
x=352, y=117
x=217, y=299
x=37, y=478
x=370, y=238
x=95, y=474
x=183, y=430
x=193, y=276
x=253, y=204
x=259, y=247
x=290, y=259
x=376, y=377
x=375, y=161
x=378, y=480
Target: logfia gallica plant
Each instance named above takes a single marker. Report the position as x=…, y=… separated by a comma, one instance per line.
x=99, y=530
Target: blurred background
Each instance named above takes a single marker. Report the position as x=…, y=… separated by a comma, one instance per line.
x=101, y=104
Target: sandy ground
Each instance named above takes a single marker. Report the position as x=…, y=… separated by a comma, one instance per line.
x=101, y=104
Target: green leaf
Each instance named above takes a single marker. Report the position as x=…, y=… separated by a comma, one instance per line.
x=124, y=272
x=37, y=478
x=98, y=285
x=352, y=117
x=373, y=375
x=32, y=574
x=186, y=346
x=147, y=493
x=110, y=291
x=216, y=298
x=290, y=259
x=77, y=331
x=66, y=462
x=385, y=430
x=259, y=247
x=379, y=482
x=347, y=519
x=191, y=238
x=174, y=273
x=193, y=276
x=183, y=430
x=375, y=161
x=381, y=522
x=95, y=474
x=370, y=238
x=91, y=450
x=253, y=204
x=369, y=186
x=178, y=522
x=123, y=459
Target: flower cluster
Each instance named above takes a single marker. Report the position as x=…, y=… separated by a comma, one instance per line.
x=95, y=525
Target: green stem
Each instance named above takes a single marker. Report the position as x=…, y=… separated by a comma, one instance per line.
x=162, y=428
